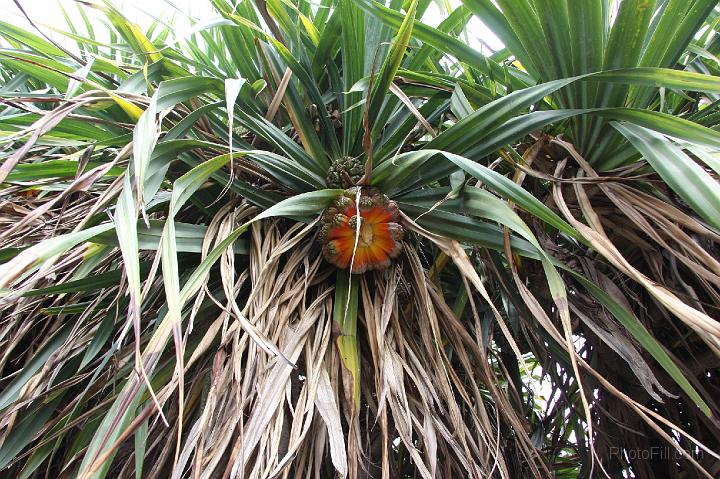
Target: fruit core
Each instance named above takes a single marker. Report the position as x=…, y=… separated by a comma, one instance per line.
x=360, y=230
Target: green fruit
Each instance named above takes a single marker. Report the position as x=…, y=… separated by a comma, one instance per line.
x=345, y=172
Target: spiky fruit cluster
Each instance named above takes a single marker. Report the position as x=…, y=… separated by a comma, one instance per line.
x=374, y=235
x=345, y=172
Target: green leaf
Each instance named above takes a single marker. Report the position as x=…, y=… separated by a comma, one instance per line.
x=381, y=84
x=141, y=436
x=680, y=172
x=451, y=221
x=53, y=169
x=177, y=90
x=306, y=204
x=145, y=136
x=291, y=174
x=500, y=26
x=645, y=339
x=659, y=77
x=90, y=283
x=35, y=43
x=492, y=115
x=40, y=252
x=352, y=51
x=125, y=221
x=447, y=44
x=130, y=32
x=312, y=90
x=525, y=18
x=12, y=390
x=387, y=175
x=28, y=428
x=345, y=311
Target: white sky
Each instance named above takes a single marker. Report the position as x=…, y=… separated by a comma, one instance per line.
x=47, y=13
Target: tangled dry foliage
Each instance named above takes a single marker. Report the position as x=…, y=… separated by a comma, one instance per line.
x=166, y=310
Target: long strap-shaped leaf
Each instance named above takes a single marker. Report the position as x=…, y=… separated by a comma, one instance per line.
x=110, y=429
x=447, y=43
x=478, y=124
x=481, y=203
x=345, y=310
x=381, y=84
x=685, y=177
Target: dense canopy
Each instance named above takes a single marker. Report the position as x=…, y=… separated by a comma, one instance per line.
x=341, y=238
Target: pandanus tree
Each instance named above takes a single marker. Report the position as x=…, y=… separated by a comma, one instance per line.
x=326, y=239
